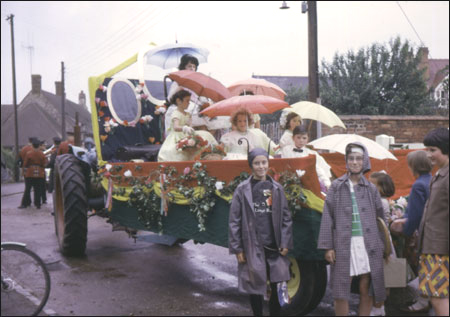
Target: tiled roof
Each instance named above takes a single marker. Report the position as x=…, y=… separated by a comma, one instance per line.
x=286, y=82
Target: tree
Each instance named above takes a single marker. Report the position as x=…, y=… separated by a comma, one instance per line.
x=293, y=95
x=378, y=80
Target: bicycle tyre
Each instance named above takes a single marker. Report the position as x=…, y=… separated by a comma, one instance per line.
x=31, y=280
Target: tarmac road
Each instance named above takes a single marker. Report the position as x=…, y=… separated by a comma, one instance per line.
x=121, y=277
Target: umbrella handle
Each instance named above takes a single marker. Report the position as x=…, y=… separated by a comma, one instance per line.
x=248, y=144
x=165, y=89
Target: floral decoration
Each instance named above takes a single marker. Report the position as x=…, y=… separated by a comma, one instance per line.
x=191, y=142
x=211, y=149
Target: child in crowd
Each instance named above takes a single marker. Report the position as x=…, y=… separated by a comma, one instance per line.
x=386, y=187
x=300, y=139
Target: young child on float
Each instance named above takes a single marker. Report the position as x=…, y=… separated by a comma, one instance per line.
x=298, y=149
x=288, y=122
x=180, y=127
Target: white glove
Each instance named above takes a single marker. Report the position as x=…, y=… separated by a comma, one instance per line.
x=188, y=130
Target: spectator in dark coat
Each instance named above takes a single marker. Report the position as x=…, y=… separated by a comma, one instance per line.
x=350, y=236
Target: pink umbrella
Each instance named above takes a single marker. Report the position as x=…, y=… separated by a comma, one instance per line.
x=201, y=84
x=258, y=87
x=255, y=104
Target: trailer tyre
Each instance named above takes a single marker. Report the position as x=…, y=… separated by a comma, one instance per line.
x=70, y=205
x=320, y=286
x=300, y=289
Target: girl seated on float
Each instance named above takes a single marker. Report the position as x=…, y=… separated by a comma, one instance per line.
x=197, y=103
x=241, y=120
x=288, y=121
x=300, y=138
x=180, y=128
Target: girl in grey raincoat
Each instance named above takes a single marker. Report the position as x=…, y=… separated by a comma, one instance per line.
x=260, y=232
x=350, y=236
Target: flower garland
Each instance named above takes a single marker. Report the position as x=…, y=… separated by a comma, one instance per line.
x=211, y=149
x=148, y=203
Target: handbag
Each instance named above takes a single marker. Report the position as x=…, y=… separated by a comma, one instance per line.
x=395, y=272
x=386, y=236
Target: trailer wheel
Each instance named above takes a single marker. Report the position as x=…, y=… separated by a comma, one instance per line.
x=300, y=289
x=70, y=205
x=320, y=286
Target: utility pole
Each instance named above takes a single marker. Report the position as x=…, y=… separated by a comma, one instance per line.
x=313, y=68
x=10, y=18
x=63, y=107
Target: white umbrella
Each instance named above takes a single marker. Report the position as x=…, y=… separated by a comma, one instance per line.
x=338, y=142
x=169, y=55
x=314, y=111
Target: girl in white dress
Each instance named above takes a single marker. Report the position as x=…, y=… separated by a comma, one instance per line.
x=197, y=103
x=179, y=129
x=288, y=123
x=241, y=120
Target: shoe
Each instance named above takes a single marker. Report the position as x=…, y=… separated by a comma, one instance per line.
x=282, y=292
x=377, y=311
x=22, y=207
x=44, y=202
x=421, y=306
x=38, y=207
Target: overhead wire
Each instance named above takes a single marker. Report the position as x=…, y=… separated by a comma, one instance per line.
x=116, y=35
x=412, y=26
x=129, y=40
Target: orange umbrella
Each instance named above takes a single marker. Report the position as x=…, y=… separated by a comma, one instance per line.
x=255, y=104
x=258, y=87
x=201, y=84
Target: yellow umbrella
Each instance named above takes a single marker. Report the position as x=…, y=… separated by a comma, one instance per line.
x=314, y=111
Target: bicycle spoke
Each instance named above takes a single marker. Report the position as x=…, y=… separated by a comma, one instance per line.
x=26, y=282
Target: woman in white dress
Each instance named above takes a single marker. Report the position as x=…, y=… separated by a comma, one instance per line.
x=180, y=127
x=288, y=121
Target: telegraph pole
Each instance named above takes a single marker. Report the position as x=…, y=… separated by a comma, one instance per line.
x=10, y=18
x=313, y=68
x=63, y=107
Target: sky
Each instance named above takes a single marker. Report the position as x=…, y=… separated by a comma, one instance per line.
x=243, y=38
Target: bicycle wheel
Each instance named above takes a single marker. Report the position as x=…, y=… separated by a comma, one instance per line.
x=25, y=281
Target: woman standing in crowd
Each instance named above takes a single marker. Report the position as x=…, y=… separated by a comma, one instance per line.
x=433, y=229
x=349, y=234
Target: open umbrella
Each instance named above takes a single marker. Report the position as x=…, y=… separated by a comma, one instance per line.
x=254, y=103
x=258, y=87
x=201, y=84
x=314, y=111
x=169, y=55
x=338, y=142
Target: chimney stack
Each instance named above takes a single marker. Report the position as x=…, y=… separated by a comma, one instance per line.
x=58, y=88
x=82, y=99
x=424, y=64
x=36, y=84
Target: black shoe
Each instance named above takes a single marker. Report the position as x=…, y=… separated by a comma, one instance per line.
x=38, y=207
x=22, y=207
x=44, y=202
